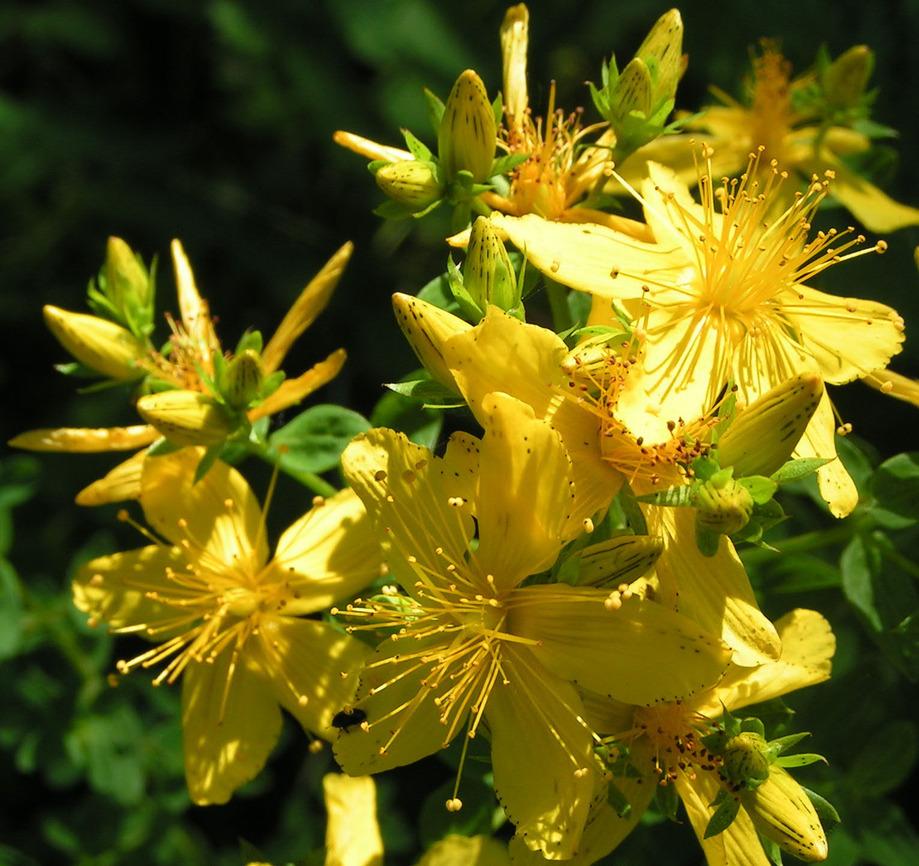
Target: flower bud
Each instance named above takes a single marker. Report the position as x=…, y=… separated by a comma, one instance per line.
x=782, y=811
x=411, y=182
x=633, y=92
x=186, y=417
x=846, y=78
x=427, y=328
x=662, y=55
x=746, y=759
x=127, y=283
x=467, y=134
x=97, y=343
x=243, y=379
x=764, y=434
x=722, y=508
x=488, y=274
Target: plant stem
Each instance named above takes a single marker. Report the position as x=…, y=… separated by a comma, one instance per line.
x=307, y=479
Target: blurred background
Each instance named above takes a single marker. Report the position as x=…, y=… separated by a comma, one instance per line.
x=212, y=122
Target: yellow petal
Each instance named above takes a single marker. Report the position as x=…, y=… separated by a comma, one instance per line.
x=666, y=197
x=293, y=391
x=872, y=207
x=819, y=440
x=587, y=256
x=329, y=554
x=306, y=308
x=196, y=317
x=371, y=149
x=97, y=343
x=808, y=645
x=713, y=591
x=313, y=668
x=86, y=440
x=542, y=755
x=408, y=496
x=113, y=589
x=607, y=715
x=514, y=35
x=525, y=361
x=402, y=722
x=352, y=836
x=895, y=385
x=230, y=723
x=738, y=845
x=846, y=337
x=117, y=485
x=223, y=526
x=455, y=850
x=427, y=328
x=186, y=417
x=638, y=654
x=525, y=492
x=461, y=463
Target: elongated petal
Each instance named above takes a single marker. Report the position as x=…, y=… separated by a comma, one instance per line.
x=808, y=645
x=330, y=554
x=542, y=755
x=666, y=198
x=293, y=391
x=713, y=591
x=86, y=440
x=833, y=479
x=738, y=845
x=872, y=207
x=113, y=589
x=847, y=337
x=302, y=314
x=371, y=149
x=230, y=723
x=514, y=35
x=196, y=317
x=408, y=497
x=402, y=723
x=313, y=668
x=352, y=836
x=221, y=527
x=117, y=485
x=524, y=361
x=525, y=495
x=589, y=257
x=640, y=654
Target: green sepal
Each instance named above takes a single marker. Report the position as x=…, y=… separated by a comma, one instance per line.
x=826, y=811
x=803, y=759
x=76, y=370
x=667, y=801
x=161, y=447
x=507, y=163
x=794, y=470
x=435, y=108
x=249, y=340
x=207, y=461
x=432, y=394
x=418, y=148
x=726, y=809
x=760, y=488
x=617, y=800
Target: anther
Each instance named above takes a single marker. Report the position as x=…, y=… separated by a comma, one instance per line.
x=454, y=804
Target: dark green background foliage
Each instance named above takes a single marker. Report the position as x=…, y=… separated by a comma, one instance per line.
x=212, y=122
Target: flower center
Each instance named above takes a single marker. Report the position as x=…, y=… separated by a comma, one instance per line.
x=675, y=735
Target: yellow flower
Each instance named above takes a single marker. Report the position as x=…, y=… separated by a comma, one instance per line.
x=533, y=365
x=472, y=644
x=789, y=136
x=352, y=836
x=229, y=619
x=722, y=297
x=187, y=413
x=665, y=747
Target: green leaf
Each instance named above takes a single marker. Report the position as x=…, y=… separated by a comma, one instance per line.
x=794, y=470
x=723, y=816
x=438, y=293
x=886, y=761
x=11, y=610
x=403, y=413
x=426, y=391
x=896, y=485
x=315, y=439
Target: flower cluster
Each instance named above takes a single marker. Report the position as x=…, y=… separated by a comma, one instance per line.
x=562, y=581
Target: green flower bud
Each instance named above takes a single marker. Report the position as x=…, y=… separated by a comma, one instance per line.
x=746, y=759
x=782, y=811
x=662, y=55
x=411, y=182
x=97, y=343
x=633, y=92
x=124, y=289
x=846, y=78
x=488, y=274
x=243, y=379
x=467, y=134
x=722, y=507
